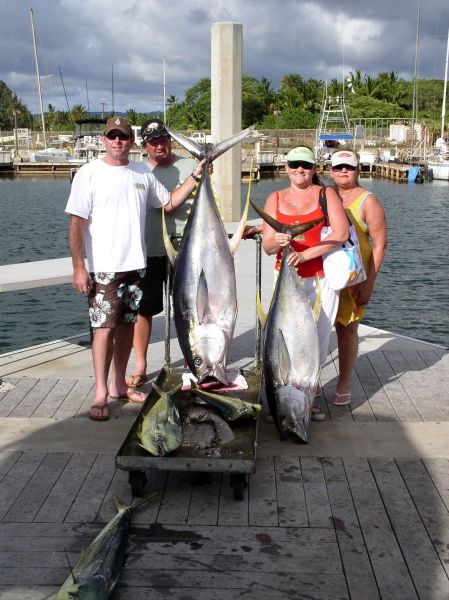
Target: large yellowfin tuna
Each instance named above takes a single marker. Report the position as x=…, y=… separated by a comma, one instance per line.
x=291, y=348
x=98, y=569
x=204, y=287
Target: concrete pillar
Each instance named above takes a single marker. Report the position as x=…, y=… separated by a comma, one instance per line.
x=226, y=113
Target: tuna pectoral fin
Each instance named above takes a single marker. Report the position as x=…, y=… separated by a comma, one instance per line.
x=235, y=240
x=284, y=362
x=171, y=252
x=202, y=301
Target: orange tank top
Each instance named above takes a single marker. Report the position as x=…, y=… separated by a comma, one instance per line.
x=305, y=240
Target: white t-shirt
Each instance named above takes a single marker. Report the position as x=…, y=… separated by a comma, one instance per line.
x=114, y=201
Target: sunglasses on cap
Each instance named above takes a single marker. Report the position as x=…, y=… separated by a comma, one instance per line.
x=123, y=137
x=153, y=127
x=341, y=167
x=295, y=164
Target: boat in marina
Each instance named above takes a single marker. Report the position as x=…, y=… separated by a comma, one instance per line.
x=438, y=164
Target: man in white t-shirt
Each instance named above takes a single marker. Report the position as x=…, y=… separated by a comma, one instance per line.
x=171, y=170
x=107, y=204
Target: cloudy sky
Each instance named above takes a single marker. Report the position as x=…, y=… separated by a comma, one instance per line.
x=88, y=40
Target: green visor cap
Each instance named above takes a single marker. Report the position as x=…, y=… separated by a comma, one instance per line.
x=302, y=153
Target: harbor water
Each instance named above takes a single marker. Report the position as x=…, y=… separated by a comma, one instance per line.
x=411, y=296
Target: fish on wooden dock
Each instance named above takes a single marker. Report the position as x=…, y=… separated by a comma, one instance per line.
x=98, y=569
x=204, y=285
x=291, y=346
x=160, y=431
x=231, y=408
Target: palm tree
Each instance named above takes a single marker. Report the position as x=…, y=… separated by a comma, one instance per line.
x=78, y=113
x=292, y=81
x=132, y=116
x=172, y=100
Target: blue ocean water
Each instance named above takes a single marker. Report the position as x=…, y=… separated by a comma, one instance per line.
x=411, y=296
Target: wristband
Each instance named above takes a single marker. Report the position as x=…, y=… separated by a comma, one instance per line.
x=195, y=177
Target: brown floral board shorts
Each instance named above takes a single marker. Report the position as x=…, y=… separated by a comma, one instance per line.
x=114, y=298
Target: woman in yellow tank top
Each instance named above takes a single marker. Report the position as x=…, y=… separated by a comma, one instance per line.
x=368, y=217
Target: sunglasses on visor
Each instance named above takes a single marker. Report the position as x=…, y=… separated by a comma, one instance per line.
x=295, y=164
x=153, y=127
x=341, y=167
x=123, y=137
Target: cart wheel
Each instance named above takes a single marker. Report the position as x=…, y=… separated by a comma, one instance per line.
x=137, y=481
x=238, y=483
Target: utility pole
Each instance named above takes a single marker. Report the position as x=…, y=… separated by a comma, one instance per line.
x=16, y=137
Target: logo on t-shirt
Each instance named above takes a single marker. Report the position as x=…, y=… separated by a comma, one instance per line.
x=139, y=186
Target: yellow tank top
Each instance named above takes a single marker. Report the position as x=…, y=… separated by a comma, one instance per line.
x=353, y=212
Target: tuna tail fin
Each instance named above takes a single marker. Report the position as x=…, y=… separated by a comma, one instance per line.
x=236, y=238
x=220, y=148
x=209, y=151
x=293, y=230
x=120, y=505
x=171, y=252
x=188, y=144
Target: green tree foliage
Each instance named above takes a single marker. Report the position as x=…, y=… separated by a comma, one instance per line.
x=9, y=102
x=296, y=104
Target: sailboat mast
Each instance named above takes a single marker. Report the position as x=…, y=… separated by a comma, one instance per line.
x=415, y=78
x=443, y=108
x=165, y=91
x=38, y=79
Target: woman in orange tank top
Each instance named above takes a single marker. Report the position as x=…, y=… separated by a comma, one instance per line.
x=299, y=203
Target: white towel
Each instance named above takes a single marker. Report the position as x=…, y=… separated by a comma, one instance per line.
x=236, y=381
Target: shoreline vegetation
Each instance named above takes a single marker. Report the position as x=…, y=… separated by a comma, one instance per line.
x=294, y=105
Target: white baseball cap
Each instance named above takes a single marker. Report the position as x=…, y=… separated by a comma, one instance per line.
x=344, y=157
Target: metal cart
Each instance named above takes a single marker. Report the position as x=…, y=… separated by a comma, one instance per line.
x=237, y=457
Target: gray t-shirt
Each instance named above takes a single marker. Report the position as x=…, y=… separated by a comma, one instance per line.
x=171, y=177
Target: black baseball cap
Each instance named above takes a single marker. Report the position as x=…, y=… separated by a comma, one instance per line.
x=152, y=128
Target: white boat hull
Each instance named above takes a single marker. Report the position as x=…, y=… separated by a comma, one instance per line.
x=440, y=170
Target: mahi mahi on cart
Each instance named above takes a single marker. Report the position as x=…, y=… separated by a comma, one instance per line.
x=204, y=286
x=161, y=430
x=231, y=408
x=98, y=569
x=291, y=349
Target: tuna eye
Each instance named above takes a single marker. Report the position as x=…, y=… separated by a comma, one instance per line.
x=198, y=361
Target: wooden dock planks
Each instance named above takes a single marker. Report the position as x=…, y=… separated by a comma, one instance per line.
x=307, y=528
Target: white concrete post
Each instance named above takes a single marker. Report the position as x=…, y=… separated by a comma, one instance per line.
x=226, y=113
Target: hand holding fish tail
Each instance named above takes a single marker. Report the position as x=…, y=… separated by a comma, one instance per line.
x=282, y=239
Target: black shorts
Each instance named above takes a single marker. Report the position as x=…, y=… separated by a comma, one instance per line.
x=152, y=302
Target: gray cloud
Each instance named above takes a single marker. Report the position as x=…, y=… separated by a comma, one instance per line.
x=319, y=39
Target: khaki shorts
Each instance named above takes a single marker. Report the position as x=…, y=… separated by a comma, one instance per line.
x=114, y=298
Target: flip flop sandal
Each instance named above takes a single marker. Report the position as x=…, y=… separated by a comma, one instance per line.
x=135, y=381
x=341, y=399
x=136, y=397
x=317, y=414
x=102, y=415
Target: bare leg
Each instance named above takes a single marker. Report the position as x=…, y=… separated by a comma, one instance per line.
x=348, y=345
x=102, y=349
x=141, y=341
x=123, y=340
